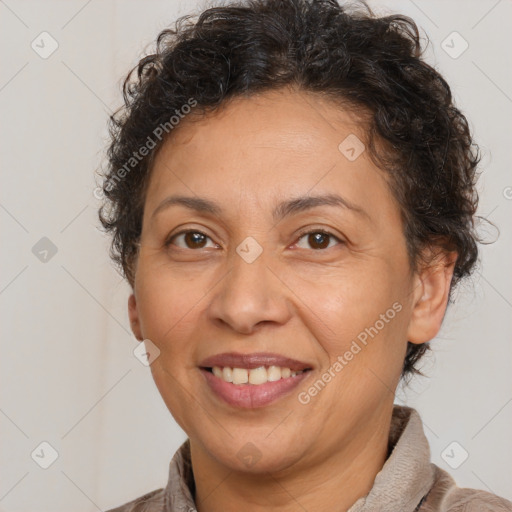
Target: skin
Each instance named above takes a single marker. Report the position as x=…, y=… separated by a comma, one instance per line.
x=301, y=298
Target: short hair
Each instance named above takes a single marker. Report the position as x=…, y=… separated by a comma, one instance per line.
x=347, y=54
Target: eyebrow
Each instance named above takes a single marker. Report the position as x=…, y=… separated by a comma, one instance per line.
x=281, y=211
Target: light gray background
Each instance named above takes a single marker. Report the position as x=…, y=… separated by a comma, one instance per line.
x=68, y=373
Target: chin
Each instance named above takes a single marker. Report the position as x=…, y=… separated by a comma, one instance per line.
x=250, y=454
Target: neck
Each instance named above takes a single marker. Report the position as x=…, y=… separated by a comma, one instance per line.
x=334, y=483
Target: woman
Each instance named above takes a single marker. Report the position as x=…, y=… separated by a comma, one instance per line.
x=291, y=194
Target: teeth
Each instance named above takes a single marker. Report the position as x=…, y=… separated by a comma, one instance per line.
x=240, y=376
x=227, y=374
x=274, y=373
x=258, y=375
x=254, y=376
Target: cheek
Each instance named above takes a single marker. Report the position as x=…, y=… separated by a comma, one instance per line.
x=345, y=301
x=360, y=315
x=168, y=307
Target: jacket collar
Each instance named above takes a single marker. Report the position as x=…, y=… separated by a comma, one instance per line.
x=407, y=475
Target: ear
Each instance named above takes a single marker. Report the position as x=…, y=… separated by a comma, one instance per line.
x=133, y=313
x=431, y=292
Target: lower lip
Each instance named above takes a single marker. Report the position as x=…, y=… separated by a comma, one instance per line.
x=251, y=396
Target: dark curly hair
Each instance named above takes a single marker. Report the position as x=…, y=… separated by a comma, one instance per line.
x=343, y=53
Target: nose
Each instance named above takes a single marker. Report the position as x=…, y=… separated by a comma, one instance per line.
x=250, y=295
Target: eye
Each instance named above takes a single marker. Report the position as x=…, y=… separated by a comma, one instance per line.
x=193, y=239
x=318, y=239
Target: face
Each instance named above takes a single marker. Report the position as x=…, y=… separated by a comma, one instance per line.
x=255, y=270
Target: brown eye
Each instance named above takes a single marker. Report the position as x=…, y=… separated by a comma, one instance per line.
x=192, y=239
x=318, y=239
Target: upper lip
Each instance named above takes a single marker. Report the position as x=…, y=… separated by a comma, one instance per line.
x=254, y=360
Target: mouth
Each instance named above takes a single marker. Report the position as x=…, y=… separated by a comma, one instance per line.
x=252, y=380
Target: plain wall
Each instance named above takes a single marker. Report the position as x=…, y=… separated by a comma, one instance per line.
x=68, y=373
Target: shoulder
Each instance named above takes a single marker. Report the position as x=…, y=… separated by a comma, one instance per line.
x=446, y=496
x=151, y=502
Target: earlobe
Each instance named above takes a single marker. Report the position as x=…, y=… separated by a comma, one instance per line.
x=134, y=317
x=431, y=292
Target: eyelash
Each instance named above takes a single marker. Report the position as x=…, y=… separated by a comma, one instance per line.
x=168, y=242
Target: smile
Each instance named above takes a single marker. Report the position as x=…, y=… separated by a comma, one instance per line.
x=242, y=393
x=254, y=376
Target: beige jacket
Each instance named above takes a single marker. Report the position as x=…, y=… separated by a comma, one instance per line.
x=408, y=481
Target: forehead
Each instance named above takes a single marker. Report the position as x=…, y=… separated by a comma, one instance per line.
x=280, y=143
x=288, y=121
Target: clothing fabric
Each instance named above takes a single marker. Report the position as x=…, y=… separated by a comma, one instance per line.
x=408, y=481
